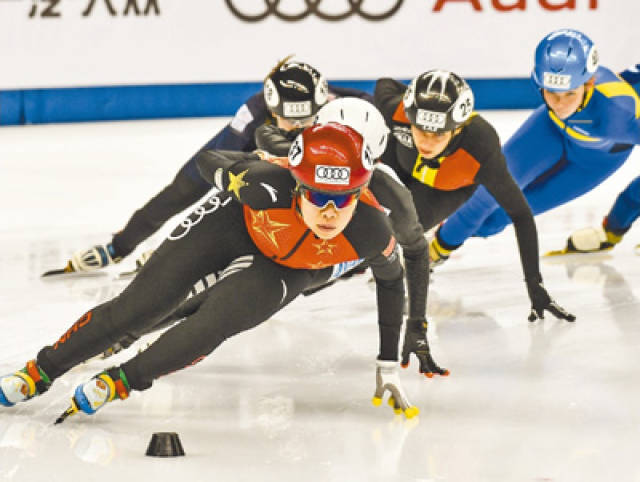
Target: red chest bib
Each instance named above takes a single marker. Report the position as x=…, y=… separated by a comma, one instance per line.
x=281, y=235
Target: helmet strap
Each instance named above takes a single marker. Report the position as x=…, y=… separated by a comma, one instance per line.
x=454, y=134
x=296, y=196
x=448, y=148
x=589, y=86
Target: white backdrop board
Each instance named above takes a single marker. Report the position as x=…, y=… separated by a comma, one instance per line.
x=66, y=43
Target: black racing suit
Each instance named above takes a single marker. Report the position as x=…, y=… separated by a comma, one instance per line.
x=440, y=186
x=254, y=236
x=188, y=186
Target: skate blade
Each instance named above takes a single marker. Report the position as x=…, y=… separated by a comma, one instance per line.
x=58, y=274
x=72, y=410
x=556, y=252
x=66, y=270
x=128, y=274
x=562, y=256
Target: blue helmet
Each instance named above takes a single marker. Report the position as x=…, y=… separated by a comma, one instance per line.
x=564, y=60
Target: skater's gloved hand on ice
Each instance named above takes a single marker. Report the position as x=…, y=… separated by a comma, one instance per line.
x=387, y=378
x=416, y=342
x=541, y=301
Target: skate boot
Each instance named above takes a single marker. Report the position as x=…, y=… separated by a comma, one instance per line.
x=23, y=385
x=94, y=258
x=437, y=253
x=591, y=240
x=90, y=396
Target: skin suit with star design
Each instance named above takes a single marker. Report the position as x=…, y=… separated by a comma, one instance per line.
x=254, y=233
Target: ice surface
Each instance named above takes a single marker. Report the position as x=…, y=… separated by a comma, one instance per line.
x=291, y=400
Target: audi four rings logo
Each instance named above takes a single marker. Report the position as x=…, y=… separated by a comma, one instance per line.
x=311, y=7
x=333, y=175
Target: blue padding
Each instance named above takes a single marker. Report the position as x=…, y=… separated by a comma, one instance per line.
x=11, y=107
x=135, y=102
x=505, y=94
x=198, y=100
x=489, y=93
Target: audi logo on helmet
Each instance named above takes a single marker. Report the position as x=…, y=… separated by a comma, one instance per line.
x=330, y=157
x=333, y=175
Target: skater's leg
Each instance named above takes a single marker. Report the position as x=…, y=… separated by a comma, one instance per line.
x=193, y=250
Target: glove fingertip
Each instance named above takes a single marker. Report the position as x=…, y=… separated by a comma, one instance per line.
x=377, y=401
x=411, y=412
x=445, y=373
x=404, y=365
x=428, y=374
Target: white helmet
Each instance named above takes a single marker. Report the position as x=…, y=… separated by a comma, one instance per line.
x=361, y=116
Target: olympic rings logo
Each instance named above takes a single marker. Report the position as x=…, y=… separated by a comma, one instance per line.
x=211, y=205
x=313, y=8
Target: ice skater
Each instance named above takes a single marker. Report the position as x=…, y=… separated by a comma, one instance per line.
x=396, y=199
x=583, y=133
x=443, y=151
x=271, y=232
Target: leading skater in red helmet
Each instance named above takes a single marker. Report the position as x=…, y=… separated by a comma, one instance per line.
x=271, y=233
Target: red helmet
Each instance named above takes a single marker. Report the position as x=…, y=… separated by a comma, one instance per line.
x=330, y=158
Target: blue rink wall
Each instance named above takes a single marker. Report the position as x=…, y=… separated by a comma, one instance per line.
x=86, y=104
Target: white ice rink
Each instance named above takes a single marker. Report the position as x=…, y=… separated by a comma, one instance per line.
x=291, y=400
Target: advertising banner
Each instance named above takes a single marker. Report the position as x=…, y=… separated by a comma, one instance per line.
x=84, y=43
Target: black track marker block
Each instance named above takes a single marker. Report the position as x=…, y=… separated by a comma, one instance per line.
x=165, y=444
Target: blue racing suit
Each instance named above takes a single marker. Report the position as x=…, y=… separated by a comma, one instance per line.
x=554, y=161
x=626, y=209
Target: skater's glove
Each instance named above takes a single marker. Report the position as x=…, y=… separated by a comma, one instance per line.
x=437, y=254
x=387, y=379
x=541, y=301
x=275, y=140
x=416, y=342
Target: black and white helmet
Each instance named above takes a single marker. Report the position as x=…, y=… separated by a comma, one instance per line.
x=295, y=90
x=438, y=101
x=361, y=116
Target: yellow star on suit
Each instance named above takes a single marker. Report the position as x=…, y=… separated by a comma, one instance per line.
x=324, y=246
x=237, y=182
x=261, y=223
